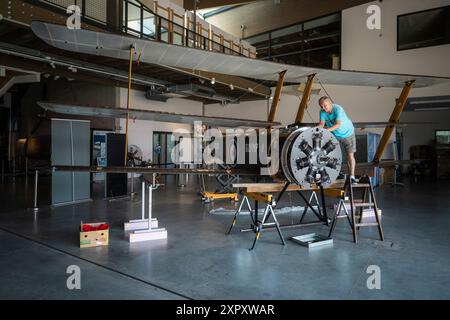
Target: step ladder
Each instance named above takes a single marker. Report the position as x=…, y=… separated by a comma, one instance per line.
x=358, y=205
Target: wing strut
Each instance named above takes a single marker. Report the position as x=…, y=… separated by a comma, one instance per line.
x=395, y=117
x=305, y=99
x=276, y=97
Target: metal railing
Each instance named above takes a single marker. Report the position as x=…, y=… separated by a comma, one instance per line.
x=140, y=21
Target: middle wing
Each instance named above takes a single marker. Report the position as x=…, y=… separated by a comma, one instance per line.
x=366, y=125
x=109, y=112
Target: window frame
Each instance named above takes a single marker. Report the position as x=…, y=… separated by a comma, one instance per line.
x=416, y=12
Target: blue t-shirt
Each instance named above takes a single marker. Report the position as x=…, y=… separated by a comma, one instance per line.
x=346, y=129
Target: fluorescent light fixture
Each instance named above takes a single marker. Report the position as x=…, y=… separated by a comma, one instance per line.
x=429, y=101
x=432, y=109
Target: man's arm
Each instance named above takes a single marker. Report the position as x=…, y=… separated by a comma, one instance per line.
x=336, y=126
x=339, y=118
x=321, y=124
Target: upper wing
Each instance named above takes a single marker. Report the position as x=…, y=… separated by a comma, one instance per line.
x=108, y=112
x=117, y=46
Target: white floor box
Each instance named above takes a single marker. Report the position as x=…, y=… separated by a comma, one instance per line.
x=148, y=235
x=134, y=225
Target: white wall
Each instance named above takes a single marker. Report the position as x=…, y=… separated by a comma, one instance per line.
x=374, y=50
x=255, y=110
x=364, y=49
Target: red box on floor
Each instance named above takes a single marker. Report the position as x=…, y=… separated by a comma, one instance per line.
x=91, y=237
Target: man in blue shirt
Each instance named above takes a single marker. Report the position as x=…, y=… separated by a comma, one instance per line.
x=335, y=120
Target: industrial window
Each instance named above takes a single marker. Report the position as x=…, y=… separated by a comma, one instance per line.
x=148, y=25
x=443, y=137
x=313, y=43
x=133, y=21
x=424, y=29
x=138, y=20
x=64, y=3
x=96, y=9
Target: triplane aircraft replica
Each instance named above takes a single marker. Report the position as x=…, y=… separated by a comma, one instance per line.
x=310, y=157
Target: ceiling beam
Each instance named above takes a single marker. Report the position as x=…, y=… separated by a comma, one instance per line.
x=45, y=68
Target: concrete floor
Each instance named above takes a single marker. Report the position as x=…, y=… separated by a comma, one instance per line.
x=199, y=262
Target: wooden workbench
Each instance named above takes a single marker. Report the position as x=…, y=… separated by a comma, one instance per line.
x=278, y=187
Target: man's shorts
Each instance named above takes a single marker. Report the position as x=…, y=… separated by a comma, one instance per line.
x=349, y=144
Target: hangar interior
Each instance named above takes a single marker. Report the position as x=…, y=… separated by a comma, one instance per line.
x=96, y=98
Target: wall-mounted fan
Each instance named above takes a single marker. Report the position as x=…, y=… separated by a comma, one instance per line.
x=134, y=156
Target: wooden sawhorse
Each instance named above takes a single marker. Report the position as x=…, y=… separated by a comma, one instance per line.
x=263, y=192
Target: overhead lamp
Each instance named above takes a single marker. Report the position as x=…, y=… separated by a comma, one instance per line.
x=432, y=109
x=213, y=81
x=231, y=87
x=429, y=101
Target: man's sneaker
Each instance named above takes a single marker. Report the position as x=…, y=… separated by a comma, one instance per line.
x=353, y=180
x=341, y=176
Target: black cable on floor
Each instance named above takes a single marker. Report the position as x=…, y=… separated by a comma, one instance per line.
x=94, y=263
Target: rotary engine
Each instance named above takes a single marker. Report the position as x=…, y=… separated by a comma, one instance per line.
x=311, y=156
